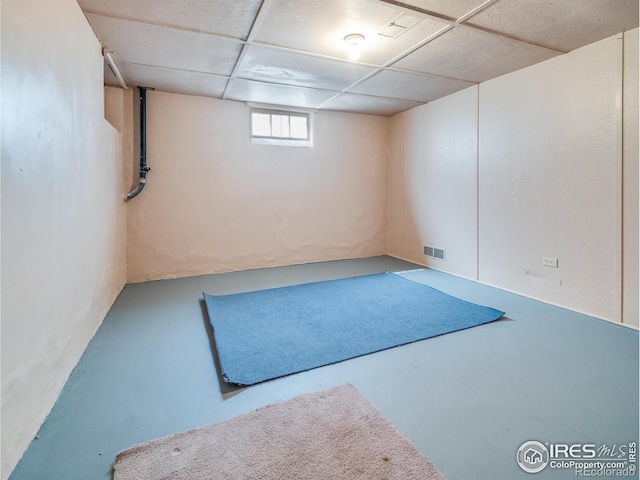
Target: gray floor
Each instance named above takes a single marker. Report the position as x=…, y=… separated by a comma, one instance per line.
x=466, y=400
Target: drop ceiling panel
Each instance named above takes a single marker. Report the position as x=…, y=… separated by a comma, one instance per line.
x=385, y=107
x=251, y=91
x=409, y=86
x=320, y=27
x=472, y=56
x=140, y=43
x=222, y=17
x=564, y=25
x=453, y=9
x=277, y=66
x=296, y=55
x=175, y=81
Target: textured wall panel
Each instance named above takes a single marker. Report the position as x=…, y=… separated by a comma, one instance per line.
x=215, y=202
x=395, y=187
x=63, y=214
x=549, y=181
x=440, y=150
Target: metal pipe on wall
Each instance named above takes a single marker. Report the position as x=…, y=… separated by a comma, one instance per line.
x=143, y=146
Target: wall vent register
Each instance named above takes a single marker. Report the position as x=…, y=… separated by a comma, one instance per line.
x=434, y=252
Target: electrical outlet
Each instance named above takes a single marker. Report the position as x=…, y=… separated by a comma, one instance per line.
x=550, y=262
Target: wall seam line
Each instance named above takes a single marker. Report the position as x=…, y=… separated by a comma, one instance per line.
x=404, y=192
x=478, y=183
x=620, y=166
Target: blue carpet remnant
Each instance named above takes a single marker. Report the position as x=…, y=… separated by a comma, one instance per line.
x=270, y=333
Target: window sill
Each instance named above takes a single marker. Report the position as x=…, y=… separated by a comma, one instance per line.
x=283, y=142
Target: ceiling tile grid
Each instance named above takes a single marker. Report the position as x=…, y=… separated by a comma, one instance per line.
x=472, y=56
x=371, y=105
x=408, y=86
x=230, y=18
x=561, y=25
x=147, y=44
x=320, y=28
x=279, y=66
x=456, y=9
x=293, y=53
x=166, y=79
x=276, y=94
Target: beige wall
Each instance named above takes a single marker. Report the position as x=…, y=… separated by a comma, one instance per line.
x=395, y=188
x=63, y=218
x=114, y=107
x=214, y=202
x=119, y=112
x=438, y=201
x=549, y=181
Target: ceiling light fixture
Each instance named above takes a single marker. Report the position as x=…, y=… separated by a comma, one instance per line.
x=353, y=41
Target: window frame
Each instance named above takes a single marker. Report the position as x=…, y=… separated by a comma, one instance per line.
x=281, y=141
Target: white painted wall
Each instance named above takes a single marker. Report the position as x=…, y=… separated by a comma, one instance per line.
x=630, y=177
x=549, y=181
x=214, y=202
x=439, y=205
x=63, y=218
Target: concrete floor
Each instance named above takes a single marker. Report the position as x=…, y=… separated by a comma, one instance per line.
x=466, y=400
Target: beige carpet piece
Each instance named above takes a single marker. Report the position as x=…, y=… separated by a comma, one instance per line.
x=333, y=434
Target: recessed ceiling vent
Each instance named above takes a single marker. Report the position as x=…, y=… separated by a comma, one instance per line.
x=399, y=25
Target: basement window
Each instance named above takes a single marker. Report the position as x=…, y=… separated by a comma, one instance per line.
x=280, y=127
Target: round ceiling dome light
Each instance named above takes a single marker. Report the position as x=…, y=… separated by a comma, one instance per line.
x=353, y=41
